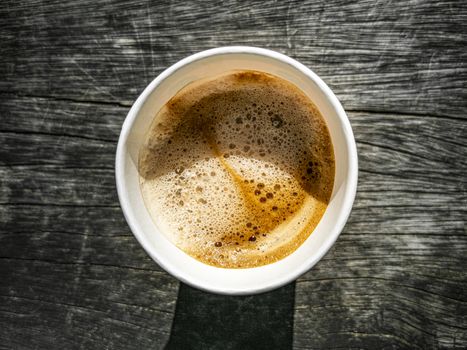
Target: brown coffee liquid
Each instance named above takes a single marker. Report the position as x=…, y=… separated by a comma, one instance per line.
x=238, y=170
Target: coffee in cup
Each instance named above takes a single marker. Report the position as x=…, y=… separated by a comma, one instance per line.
x=237, y=170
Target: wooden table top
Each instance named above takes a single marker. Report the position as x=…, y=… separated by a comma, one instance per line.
x=74, y=277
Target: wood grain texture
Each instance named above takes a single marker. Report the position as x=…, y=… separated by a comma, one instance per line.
x=393, y=56
x=74, y=277
x=396, y=277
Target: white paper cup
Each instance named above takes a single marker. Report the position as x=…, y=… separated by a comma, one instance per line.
x=211, y=63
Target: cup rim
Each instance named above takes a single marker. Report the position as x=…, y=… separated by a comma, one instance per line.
x=350, y=188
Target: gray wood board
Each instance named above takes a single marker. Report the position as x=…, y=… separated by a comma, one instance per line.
x=73, y=276
x=394, y=56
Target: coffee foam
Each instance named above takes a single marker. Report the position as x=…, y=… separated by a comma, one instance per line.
x=237, y=169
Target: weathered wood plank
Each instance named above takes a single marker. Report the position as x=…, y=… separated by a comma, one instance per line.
x=73, y=276
x=38, y=131
x=375, y=313
x=48, y=116
x=396, y=276
x=72, y=151
x=96, y=221
x=64, y=234
x=84, y=306
x=57, y=186
x=401, y=56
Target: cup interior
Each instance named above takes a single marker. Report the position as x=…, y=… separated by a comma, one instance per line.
x=209, y=64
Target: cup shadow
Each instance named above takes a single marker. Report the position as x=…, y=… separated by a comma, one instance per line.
x=210, y=321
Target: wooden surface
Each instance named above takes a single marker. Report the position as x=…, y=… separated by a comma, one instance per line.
x=73, y=276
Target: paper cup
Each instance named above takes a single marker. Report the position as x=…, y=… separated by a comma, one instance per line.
x=208, y=64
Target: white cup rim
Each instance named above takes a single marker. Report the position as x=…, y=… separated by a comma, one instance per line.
x=350, y=189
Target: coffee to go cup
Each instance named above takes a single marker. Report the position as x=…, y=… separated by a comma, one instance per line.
x=236, y=169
